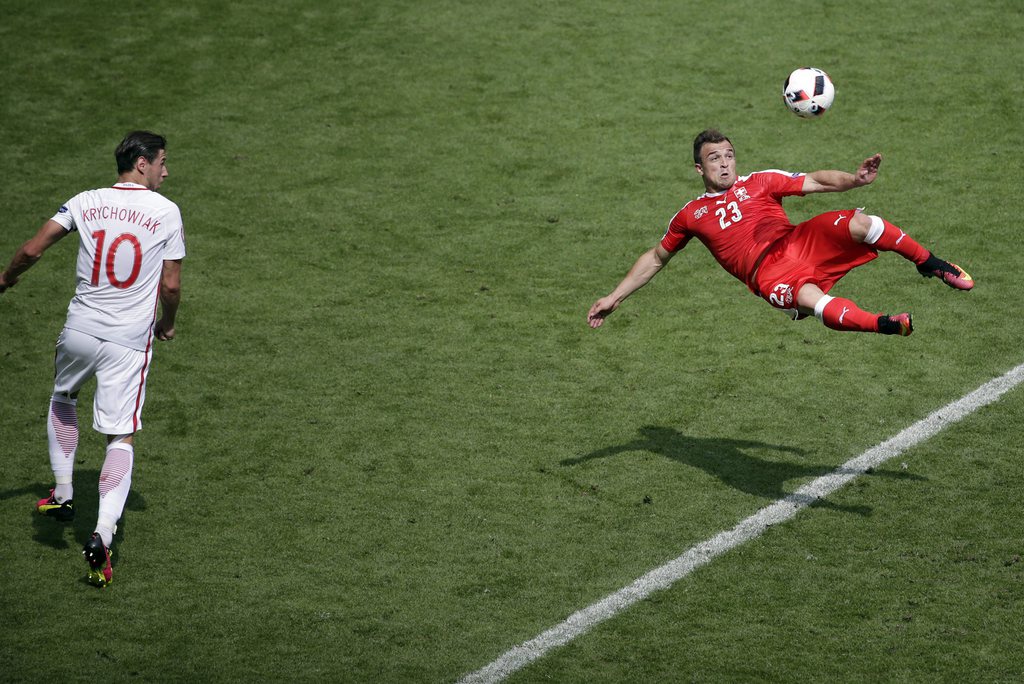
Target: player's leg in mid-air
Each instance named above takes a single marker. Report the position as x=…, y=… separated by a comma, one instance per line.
x=800, y=271
x=839, y=313
x=884, y=236
x=830, y=245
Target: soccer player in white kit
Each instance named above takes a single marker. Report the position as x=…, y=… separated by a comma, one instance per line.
x=129, y=259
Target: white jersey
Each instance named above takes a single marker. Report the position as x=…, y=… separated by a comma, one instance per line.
x=126, y=232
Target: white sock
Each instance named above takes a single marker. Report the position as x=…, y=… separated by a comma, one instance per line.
x=115, y=482
x=820, y=306
x=106, y=531
x=62, y=439
x=63, y=489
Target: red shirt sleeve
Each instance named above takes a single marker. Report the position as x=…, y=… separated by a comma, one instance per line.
x=677, y=235
x=784, y=184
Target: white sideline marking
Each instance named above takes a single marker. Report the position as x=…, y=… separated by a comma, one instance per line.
x=668, y=574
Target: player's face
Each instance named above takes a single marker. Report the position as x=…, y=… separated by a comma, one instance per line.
x=718, y=166
x=156, y=171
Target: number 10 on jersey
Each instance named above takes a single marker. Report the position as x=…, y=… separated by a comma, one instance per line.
x=107, y=264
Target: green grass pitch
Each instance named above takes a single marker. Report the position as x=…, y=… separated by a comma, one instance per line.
x=385, y=446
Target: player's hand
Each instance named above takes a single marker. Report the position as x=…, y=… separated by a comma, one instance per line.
x=5, y=283
x=601, y=309
x=164, y=332
x=867, y=172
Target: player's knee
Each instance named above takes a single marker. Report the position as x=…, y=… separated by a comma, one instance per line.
x=809, y=296
x=861, y=226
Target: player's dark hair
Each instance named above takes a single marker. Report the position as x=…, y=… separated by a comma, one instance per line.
x=138, y=144
x=710, y=135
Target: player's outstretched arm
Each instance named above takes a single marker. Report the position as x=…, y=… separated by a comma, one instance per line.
x=645, y=268
x=841, y=181
x=31, y=252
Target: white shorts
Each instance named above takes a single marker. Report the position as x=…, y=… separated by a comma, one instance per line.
x=120, y=375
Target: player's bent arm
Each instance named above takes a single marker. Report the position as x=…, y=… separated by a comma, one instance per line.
x=841, y=181
x=32, y=251
x=645, y=268
x=170, y=297
x=828, y=181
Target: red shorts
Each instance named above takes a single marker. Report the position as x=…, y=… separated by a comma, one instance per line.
x=819, y=250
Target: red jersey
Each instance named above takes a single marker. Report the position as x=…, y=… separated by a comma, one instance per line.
x=738, y=225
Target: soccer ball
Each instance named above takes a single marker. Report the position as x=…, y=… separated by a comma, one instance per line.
x=808, y=92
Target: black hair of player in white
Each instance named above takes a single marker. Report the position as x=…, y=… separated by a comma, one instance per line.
x=138, y=144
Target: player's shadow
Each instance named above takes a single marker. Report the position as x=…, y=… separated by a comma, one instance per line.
x=54, y=533
x=729, y=461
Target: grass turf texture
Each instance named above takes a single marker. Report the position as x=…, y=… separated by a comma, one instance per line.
x=385, y=447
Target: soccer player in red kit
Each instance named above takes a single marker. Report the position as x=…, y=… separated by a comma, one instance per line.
x=742, y=223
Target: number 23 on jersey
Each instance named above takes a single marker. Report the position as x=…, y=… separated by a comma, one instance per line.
x=728, y=215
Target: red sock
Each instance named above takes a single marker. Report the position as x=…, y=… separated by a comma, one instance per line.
x=842, y=314
x=893, y=239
